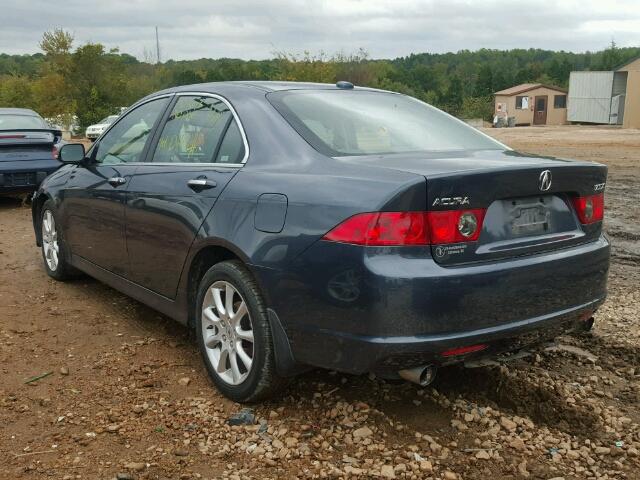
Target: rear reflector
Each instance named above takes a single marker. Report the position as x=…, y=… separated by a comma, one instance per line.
x=409, y=228
x=452, y=352
x=589, y=209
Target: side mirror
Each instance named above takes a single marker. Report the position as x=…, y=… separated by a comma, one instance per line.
x=72, y=153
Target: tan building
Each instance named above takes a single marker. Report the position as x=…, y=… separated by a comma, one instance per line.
x=631, y=117
x=533, y=104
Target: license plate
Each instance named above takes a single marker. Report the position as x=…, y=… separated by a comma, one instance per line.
x=531, y=220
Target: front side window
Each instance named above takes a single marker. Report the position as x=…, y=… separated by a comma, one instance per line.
x=125, y=142
x=356, y=122
x=195, y=133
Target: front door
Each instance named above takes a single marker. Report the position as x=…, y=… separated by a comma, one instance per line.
x=194, y=155
x=540, y=110
x=95, y=193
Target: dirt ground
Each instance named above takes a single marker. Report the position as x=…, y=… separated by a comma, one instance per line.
x=127, y=396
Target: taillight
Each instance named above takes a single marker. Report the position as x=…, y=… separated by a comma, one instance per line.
x=54, y=152
x=409, y=228
x=455, y=226
x=382, y=229
x=590, y=209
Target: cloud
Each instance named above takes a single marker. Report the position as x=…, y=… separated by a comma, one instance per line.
x=255, y=29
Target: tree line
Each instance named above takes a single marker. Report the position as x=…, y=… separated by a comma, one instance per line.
x=91, y=82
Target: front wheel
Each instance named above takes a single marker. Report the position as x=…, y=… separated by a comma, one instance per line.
x=234, y=335
x=53, y=245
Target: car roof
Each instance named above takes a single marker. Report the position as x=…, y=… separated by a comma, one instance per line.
x=265, y=86
x=18, y=111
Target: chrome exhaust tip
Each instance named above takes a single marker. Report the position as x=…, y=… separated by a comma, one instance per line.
x=422, y=376
x=587, y=324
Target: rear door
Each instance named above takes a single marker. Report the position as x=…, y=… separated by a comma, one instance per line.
x=94, y=195
x=197, y=151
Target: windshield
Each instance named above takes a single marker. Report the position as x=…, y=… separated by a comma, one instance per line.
x=339, y=123
x=20, y=122
x=108, y=120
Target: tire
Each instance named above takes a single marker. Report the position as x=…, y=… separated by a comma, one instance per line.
x=220, y=328
x=55, y=253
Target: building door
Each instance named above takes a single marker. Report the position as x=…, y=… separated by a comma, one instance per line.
x=540, y=110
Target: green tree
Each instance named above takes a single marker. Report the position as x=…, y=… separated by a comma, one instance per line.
x=56, y=45
x=453, y=98
x=484, y=82
x=97, y=83
x=16, y=91
x=611, y=57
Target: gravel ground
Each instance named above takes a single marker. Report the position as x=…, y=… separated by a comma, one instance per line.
x=127, y=396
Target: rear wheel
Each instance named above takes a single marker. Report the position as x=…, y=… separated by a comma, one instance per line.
x=234, y=335
x=54, y=252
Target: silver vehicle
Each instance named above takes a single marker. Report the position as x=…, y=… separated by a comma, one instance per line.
x=94, y=131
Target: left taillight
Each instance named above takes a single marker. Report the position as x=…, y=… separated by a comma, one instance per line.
x=590, y=209
x=54, y=152
x=382, y=229
x=409, y=228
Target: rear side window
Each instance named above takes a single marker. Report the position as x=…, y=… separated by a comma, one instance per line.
x=232, y=146
x=199, y=130
x=360, y=122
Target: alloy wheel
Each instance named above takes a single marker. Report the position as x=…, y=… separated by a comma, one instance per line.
x=227, y=332
x=50, y=240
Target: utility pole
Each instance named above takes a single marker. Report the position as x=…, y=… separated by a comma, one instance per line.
x=157, y=45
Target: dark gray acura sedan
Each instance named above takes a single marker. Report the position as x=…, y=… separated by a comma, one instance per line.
x=301, y=225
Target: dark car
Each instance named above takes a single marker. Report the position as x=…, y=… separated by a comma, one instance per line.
x=28, y=150
x=294, y=225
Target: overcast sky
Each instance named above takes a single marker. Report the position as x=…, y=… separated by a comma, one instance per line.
x=254, y=29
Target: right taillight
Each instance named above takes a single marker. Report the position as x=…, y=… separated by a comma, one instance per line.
x=590, y=209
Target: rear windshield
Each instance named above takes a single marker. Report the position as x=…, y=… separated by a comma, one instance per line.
x=20, y=122
x=340, y=123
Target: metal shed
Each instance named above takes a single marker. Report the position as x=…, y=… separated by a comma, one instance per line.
x=606, y=97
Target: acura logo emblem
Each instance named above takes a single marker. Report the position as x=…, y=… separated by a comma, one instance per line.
x=544, y=182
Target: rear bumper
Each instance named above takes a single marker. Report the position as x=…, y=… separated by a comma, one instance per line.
x=357, y=310
x=17, y=178
x=386, y=355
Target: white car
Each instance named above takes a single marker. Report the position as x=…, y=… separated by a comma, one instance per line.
x=94, y=131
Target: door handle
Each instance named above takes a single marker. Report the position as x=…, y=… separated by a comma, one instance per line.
x=117, y=181
x=198, y=184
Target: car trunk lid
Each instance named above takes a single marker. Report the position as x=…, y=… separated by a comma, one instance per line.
x=21, y=145
x=527, y=199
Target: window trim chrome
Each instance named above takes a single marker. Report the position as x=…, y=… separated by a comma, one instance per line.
x=236, y=117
